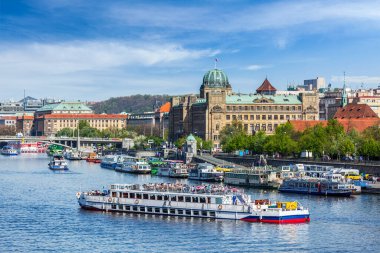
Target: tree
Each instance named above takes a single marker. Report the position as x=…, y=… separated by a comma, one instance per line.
x=314, y=140
x=256, y=142
x=179, y=142
x=65, y=132
x=370, y=148
x=282, y=141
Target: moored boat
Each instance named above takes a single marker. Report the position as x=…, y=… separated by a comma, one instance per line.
x=93, y=158
x=202, y=201
x=58, y=162
x=109, y=162
x=9, y=151
x=257, y=177
x=205, y=172
x=315, y=186
x=174, y=169
x=134, y=165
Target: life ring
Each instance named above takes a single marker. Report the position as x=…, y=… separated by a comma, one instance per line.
x=109, y=199
x=136, y=201
x=220, y=207
x=258, y=206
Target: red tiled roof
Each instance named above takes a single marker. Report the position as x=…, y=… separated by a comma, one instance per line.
x=355, y=111
x=8, y=117
x=84, y=116
x=349, y=124
x=25, y=117
x=266, y=86
x=165, y=108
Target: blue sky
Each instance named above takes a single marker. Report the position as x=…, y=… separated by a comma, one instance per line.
x=93, y=50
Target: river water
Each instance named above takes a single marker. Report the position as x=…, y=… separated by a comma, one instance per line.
x=39, y=213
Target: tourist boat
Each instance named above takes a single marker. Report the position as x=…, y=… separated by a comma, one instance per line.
x=34, y=147
x=205, y=172
x=315, y=186
x=134, y=165
x=9, y=151
x=109, y=162
x=173, y=169
x=257, y=177
x=204, y=201
x=73, y=155
x=58, y=162
x=93, y=158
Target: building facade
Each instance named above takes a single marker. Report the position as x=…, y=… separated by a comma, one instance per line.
x=218, y=106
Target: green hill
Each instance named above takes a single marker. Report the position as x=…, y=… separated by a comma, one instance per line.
x=130, y=104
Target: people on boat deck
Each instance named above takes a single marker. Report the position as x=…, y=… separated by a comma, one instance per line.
x=178, y=187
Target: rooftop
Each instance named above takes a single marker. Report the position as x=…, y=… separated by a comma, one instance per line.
x=260, y=99
x=355, y=111
x=266, y=86
x=65, y=106
x=349, y=124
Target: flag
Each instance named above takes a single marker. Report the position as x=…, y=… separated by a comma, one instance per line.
x=216, y=59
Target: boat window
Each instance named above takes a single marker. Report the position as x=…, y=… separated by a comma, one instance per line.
x=128, y=208
x=187, y=199
x=212, y=214
x=172, y=211
x=138, y=195
x=164, y=210
x=180, y=211
x=159, y=197
x=120, y=207
x=132, y=195
x=202, y=200
x=125, y=195
x=142, y=209
x=173, y=198
x=218, y=201
x=149, y=209
x=152, y=197
x=195, y=199
x=113, y=194
x=204, y=213
x=156, y=210
x=145, y=196
x=180, y=198
x=113, y=206
x=196, y=213
x=188, y=212
x=166, y=197
x=135, y=208
x=209, y=200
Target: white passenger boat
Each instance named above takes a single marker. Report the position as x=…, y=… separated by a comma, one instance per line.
x=134, y=165
x=9, y=151
x=257, y=177
x=58, y=162
x=205, y=172
x=173, y=169
x=210, y=201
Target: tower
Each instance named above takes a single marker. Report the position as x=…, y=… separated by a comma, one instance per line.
x=344, y=93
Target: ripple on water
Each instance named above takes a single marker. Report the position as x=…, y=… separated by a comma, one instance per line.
x=39, y=213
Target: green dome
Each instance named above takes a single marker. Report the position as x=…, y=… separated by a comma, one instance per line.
x=190, y=138
x=215, y=78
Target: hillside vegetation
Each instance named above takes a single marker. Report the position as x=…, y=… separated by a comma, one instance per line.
x=130, y=104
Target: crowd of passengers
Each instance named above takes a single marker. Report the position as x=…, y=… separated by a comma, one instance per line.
x=178, y=187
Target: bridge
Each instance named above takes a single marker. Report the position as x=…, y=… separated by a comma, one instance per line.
x=71, y=142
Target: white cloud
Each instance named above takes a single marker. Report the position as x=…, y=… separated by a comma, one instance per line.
x=255, y=67
x=275, y=15
x=69, y=69
x=357, y=79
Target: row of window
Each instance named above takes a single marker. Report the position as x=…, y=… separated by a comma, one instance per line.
x=175, y=198
x=264, y=108
x=258, y=127
x=163, y=210
x=263, y=117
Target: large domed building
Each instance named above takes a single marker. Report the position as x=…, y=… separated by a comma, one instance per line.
x=218, y=106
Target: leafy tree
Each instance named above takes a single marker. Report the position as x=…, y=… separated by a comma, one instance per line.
x=65, y=132
x=282, y=141
x=256, y=142
x=179, y=142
